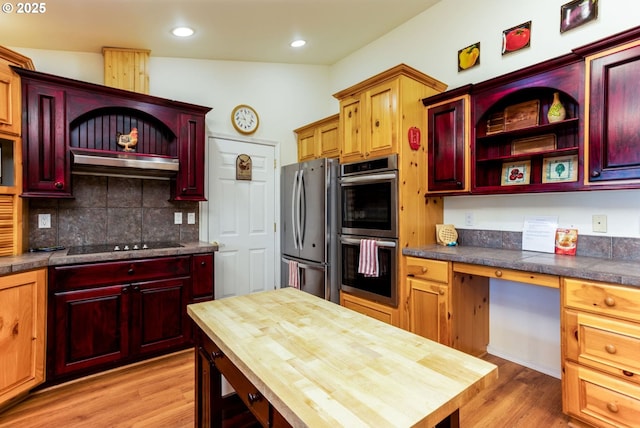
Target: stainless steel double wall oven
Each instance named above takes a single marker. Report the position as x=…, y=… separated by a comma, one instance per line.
x=369, y=210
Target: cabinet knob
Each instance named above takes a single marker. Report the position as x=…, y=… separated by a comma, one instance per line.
x=441, y=292
x=611, y=349
x=136, y=288
x=424, y=270
x=612, y=407
x=216, y=354
x=595, y=173
x=349, y=115
x=184, y=190
x=58, y=185
x=627, y=373
x=125, y=290
x=610, y=301
x=203, y=263
x=459, y=184
x=131, y=271
x=499, y=273
x=254, y=397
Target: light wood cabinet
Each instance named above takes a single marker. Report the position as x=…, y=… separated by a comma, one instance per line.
x=319, y=139
x=375, y=115
x=127, y=69
x=374, y=310
x=22, y=354
x=11, y=206
x=600, y=348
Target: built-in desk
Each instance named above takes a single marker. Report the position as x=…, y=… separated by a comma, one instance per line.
x=599, y=319
x=298, y=360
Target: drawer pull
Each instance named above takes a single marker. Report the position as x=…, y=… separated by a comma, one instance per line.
x=612, y=407
x=610, y=349
x=424, y=270
x=610, y=301
x=499, y=273
x=627, y=373
x=254, y=397
x=216, y=354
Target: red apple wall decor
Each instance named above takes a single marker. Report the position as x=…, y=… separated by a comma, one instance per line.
x=516, y=38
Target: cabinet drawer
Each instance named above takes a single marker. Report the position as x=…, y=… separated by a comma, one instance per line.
x=600, y=399
x=72, y=277
x=602, y=298
x=509, y=274
x=433, y=270
x=606, y=344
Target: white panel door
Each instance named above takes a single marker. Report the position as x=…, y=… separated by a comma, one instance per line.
x=241, y=217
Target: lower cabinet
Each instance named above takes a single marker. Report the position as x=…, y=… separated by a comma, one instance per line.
x=22, y=333
x=600, y=348
x=367, y=307
x=106, y=314
x=244, y=408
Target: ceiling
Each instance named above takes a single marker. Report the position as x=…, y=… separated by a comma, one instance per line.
x=230, y=30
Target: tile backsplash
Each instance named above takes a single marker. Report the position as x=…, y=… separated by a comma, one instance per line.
x=112, y=210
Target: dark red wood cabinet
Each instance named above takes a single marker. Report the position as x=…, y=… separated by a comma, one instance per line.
x=101, y=315
x=62, y=114
x=448, y=141
x=614, y=109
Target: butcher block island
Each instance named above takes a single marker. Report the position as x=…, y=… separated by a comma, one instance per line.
x=297, y=360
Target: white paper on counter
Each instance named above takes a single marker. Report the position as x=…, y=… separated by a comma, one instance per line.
x=539, y=233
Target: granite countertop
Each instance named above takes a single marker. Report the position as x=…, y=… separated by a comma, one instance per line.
x=622, y=272
x=28, y=261
x=322, y=365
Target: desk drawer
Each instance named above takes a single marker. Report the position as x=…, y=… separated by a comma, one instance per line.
x=603, y=343
x=509, y=274
x=600, y=399
x=602, y=298
x=432, y=270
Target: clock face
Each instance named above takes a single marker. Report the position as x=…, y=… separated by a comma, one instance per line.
x=245, y=119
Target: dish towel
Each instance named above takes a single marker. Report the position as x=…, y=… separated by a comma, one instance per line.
x=368, y=263
x=294, y=274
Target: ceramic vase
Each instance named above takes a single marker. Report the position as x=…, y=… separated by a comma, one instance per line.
x=557, y=111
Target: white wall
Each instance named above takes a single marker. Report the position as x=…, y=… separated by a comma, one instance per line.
x=286, y=96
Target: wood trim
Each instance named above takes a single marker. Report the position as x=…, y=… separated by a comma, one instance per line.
x=542, y=279
x=16, y=58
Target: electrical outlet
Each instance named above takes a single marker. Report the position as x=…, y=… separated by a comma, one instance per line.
x=599, y=223
x=44, y=221
x=191, y=218
x=177, y=218
x=468, y=219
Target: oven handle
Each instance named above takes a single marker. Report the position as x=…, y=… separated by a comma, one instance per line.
x=369, y=177
x=386, y=244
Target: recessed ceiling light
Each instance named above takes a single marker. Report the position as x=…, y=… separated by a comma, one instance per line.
x=298, y=43
x=182, y=32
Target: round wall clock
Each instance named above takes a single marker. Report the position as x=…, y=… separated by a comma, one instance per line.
x=245, y=119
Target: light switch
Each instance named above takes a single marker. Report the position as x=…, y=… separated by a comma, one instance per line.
x=599, y=223
x=177, y=218
x=191, y=218
x=44, y=221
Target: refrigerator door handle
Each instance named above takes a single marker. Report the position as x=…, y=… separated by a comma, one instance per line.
x=300, y=208
x=293, y=211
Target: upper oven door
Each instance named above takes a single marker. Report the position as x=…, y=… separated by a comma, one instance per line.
x=369, y=204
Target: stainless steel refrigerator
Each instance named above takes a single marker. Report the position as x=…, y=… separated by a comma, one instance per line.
x=308, y=234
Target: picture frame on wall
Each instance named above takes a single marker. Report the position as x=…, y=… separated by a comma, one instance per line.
x=469, y=57
x=516, y=38
x=577, y=12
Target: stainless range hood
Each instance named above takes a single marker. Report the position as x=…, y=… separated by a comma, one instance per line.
x=90, y=162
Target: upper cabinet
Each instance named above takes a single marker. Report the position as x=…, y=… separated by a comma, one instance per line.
x=520, y=144
x=375, y=114
x=612, y=139
x=448, y=141
x=319, y=139
x=62, y=115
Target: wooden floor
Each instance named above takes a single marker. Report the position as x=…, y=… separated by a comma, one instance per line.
x=159, y=393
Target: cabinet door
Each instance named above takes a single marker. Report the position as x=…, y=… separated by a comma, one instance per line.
x=9, y=100
x=447, y=136
x=46, y=161
x=189, y=184
x=306, y=146
x=202, y=277
x=614, y=104
x=351, y=129
x=429, y=309
x=328, y=141
x=22, y=307
x=382, y=120
x=159, y=315
x=90, y=328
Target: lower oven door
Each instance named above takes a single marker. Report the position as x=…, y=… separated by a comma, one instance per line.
x=381, y=289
